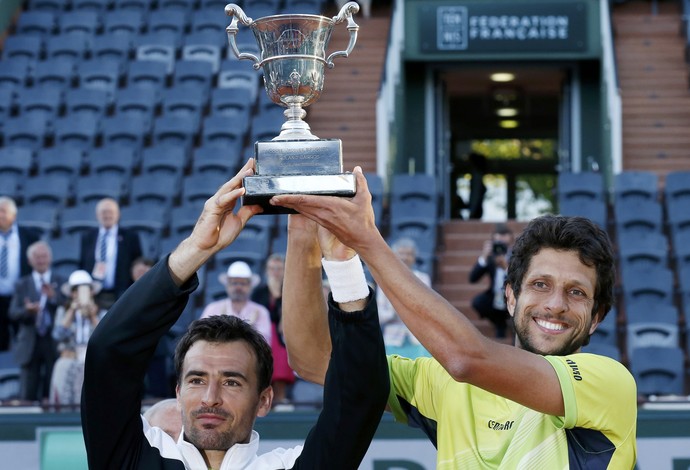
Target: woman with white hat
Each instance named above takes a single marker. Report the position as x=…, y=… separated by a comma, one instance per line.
x=73, y=327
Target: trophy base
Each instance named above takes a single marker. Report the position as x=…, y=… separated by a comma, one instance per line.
x=260, y=189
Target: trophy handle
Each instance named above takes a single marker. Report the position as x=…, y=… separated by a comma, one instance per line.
x=346, y=12
x=238, y=15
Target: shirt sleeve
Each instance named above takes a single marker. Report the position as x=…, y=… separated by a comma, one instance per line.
x=598, y=393
x=412, y=387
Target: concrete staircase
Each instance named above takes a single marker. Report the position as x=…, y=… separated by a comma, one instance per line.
x=653, y=77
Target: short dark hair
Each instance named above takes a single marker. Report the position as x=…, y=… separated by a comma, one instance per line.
x=579, y=234
x=225, y=329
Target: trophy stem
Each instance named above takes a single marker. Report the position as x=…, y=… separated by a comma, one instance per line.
x=295, y=128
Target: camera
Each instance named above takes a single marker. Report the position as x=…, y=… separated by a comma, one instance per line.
x=499, y=249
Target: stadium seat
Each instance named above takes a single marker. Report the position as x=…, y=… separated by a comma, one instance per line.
x=151, y=74
x=415, y=186
x=186, y=6
x=638, y=216
x=87, y=101
x=25, y=131
x=54, y=190
x=126, y=130
x=161, y=188
x=251, y=251
x=265, y=126
x=15, y=72
x=186, y=101
x=138, y=5
x=93, y=188
x=212, y=159
x=303, y=7
x=651, y=326
x=658, y=370
x=636, y=185
x=607, y=330
x=175, y=130
x=11, y=186
x=58, y=72
x=642, y=250
x=127, y=23
x=114, y=159
x=225, y=132
x=78, y=130
x=231, y=102
x=209, y=21
x=79, y=21
x=6, y=103
x=194, y=73
x=62, y=160
x=56, y=6
x=183, y=219
x=116, y=47
x=173, y=21
x=168, y=159
x=601, y=349
x=41, y=218
x=92, y=5
x=586, y=185
x=161, y=47
x=77, y=219
x=43, y=100
x=594, y=210
x=652, y=285
x=677, y=188
x=375, y=184
x=100, y=74
x=145, y=218
x=25, y=46
x=205, y=47
x=72, y=46
x=137, y=100
x=36, y=22
x=200, y=187
x=238, y=74
x=16, y=160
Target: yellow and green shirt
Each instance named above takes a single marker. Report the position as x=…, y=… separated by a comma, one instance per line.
x=474, y=429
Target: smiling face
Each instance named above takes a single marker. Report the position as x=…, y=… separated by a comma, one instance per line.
x=553, y=313
x=218, y=394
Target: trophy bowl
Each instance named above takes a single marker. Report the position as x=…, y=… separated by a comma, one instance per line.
x=293, y=57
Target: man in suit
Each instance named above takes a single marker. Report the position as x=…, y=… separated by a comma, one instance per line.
x=493, y=262
x=33, y=307
x=107, y=252
x=13, y=263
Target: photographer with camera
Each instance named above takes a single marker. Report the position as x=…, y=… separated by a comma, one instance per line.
x=493, y=262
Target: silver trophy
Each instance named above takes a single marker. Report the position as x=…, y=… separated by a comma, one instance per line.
x=293, y=56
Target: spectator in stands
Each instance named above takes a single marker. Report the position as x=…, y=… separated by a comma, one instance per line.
x=14, y=241
x=107, y=252
x=36, y=298
x=239, y=282
x=542, y=404
x=269, y=294
x=224, y=369
x=73, y=327
x=493, y=263
x=396, y=336
x=166, y=415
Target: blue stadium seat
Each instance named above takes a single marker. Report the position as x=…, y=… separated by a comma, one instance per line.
x=205, y=47
x=79, y=21
x=232, y=102
x=137, y=100
x=195, y=73
x=416, y=186
x=651, y=326
x=24, y=46
x=239, y=74
x=161, y=47
x=89, y=102
x=175, y=130
x=15, y=72
x=129, y=23
x=186, y=6
x=678, y=219
x=174, y=21
x=6, y=103
x=160, y=188
x=265, y=126
x=608, y=350
x=72, y=46
x=126, y=130
x=636, y=185
x=27, y=131
x=58, y=72
x=375, y=184
x=61, y=159
x=16, y=160
x=151, y=74
x=114, y=159
x=594, y=210
x=137, y=5
x=638, y=216
x=66, y=251
x=45, y=101
x=151, y=219
x=53, y=190
x=586, y=185
x=11, y=186
x=100, y=74
x=303, y=7
x=99, y=6
x=78, y=219
x=183, y=219
x=214, y=160
x=200, y=187
x=93, y=188
x=36, y=22
x=251, y=251
x=677, y=189
x=658, y=370
x=185, y=101
x=169, y=159
x=78, y=130
x=40, y=218
x=209, y=21
x=224, y=131
x=642, y=250
x=56, y=6
x=114, y=46
x=652, y=285
x=213, y=5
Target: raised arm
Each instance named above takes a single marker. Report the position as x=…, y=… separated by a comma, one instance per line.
x=446, y=333
x=305, y=323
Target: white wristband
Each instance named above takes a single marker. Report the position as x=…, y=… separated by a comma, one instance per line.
x=346, y=279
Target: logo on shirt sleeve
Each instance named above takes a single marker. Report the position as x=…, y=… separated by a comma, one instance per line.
x=576, y=371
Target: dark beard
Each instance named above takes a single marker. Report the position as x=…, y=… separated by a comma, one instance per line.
x=207, y=440
x=522, y=333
